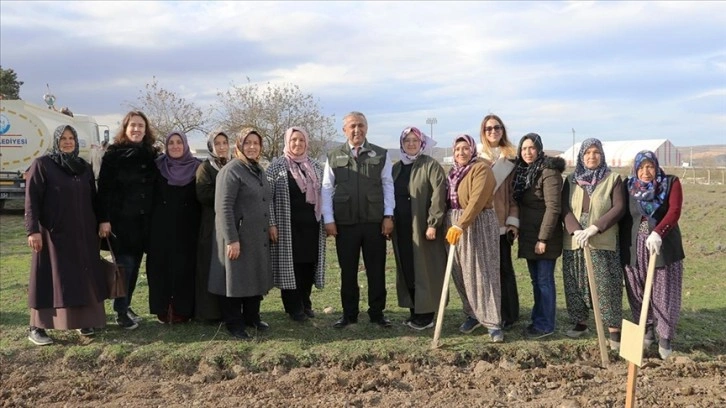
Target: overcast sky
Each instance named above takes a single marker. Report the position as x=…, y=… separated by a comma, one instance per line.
x=611, y=70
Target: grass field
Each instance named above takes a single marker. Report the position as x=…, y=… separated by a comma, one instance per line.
x=701, y=333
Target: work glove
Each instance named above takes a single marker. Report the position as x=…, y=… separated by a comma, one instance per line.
x=582, y=236
x=653, y=243
x=454, y=234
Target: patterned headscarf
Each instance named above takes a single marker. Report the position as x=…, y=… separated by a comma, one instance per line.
x=71, y=163
x=525, y=174
x=458, y=171
x=587, y=178
x=180, y=171
x=650, y=195
x=302, y=170
x=215, y=159
x=425, y=142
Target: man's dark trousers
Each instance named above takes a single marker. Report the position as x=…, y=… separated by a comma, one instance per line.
x=349, y=242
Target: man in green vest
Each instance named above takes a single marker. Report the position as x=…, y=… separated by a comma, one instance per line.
x=358, y=202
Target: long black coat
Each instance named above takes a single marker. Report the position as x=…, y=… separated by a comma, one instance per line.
x=125, y=194
x=206, y=305
x=60, y=207
x=172, y=249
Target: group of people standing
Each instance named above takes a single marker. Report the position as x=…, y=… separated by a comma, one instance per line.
x=220, y=234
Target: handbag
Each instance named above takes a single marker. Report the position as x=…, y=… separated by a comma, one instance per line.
x=115, y=276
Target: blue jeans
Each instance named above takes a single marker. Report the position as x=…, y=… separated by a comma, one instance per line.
x=542, y=272
x=130, y=263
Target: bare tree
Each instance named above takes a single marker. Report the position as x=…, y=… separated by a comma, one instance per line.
x=271, y=109
x=168, y=111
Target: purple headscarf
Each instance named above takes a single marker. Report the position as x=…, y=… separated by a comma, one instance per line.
x=180, y=171
x=457, y=173
x=405, y=158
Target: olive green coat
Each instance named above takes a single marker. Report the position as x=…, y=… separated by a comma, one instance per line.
x=427, y=188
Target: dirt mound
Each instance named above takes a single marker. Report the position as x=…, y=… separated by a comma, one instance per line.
x=506, y=382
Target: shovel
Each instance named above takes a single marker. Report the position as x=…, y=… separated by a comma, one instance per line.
x=444, y=297
x=633, y=335
x=601, y=340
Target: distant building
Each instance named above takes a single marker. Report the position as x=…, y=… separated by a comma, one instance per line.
x=622, y=153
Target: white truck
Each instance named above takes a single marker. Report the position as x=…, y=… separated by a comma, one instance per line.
x=26, y=132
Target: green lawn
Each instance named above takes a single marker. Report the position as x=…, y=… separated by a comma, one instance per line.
x=701, y=333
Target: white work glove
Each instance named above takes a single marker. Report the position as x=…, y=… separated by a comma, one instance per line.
x=653, y=243
x=582, y=236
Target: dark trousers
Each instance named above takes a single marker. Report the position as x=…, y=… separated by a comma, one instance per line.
x=349, y=242
x=130, y=263
x=238, y=312
x=297, y=300
x=542, y=272
x=510, y=296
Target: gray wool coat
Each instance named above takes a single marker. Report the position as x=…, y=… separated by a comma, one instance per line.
x=427, y=188
x=241, y=204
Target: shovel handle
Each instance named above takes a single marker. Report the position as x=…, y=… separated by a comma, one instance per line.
x=648, y=290
x=444, y=297
x=596, y=307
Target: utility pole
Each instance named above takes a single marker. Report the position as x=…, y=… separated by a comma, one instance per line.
x=573, y=146
x=432, y=122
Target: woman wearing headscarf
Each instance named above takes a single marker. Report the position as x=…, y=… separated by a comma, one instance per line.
x=419, y=184
x=650, y=228
x=296, y=229
x=171, y=257
x=240, y=271
x=125, y=194
x=206, y=305
x=593, y=201
x=498, y=150
x=473, y=232
x=537, y=188
x=66, y=289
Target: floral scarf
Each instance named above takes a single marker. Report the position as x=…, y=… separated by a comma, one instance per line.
x=425, y=142
x=457, y=173
x=650, y=195
x=586, y=178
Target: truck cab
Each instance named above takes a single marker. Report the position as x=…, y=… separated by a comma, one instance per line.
x=26, y=132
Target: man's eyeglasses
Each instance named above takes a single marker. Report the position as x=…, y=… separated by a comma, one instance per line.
x=489, y=129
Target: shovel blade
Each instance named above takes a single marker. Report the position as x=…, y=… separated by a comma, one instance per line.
x=631, y=342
